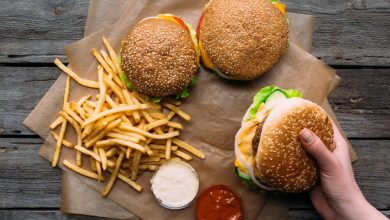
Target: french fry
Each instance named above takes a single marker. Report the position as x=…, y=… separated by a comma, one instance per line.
x=72, y=114
x=175, y=125
x=113, y=141
x=130, y=101
x=108, y=60
x=182, y=155
x=161, y=147
x=103, y=157
x=179, y=112
x=88, y=152
x=80, y=111
x=150, y=159
x=103, y=133
x=64, y=142
x=80, y=170
x=172, y=101
x=131, y=134
x=168, y=146
x=79, y=80
x=157, y=124
x=134, y=166
x=116, y=89
x=56, y=123
x=170, y=115
x=123, y=137
x=98, y=166
x=139, y=98
x=157, y=115
x=66, y=91
x=57, y=149
x=74, y=125
x=141, y=124
x=127, y=127
x=79, y=158
x=128, y=181
x=101, y=60
x=189, y=148
x=128, y=152
x=111, y=152
x=113, y=55
x=83, y=99
x=148, y=150
x=102, y=91
x=92, y=164
x=113, y=176
x=148, y=167
x=113, y=111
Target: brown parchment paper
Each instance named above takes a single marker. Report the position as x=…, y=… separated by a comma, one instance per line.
x=211, y=110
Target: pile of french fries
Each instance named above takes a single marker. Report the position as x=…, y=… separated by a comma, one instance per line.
x=118, y=131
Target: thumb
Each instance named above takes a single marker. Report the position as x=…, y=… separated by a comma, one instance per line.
x=314, y=146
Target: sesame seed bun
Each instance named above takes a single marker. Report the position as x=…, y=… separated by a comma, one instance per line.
x=281, y=160
x=243, y=38
x=159, y=57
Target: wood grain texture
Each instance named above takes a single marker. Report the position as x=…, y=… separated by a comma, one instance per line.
x=28, y=181
x=313, y=215
x=361, y=102
x=341, y=36
x=350, y=32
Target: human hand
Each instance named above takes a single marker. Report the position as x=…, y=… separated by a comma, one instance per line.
x=337, y=196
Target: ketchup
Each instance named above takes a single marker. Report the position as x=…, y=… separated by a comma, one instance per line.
x=218, y=203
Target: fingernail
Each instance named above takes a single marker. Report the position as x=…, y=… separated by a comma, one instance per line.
x=306, y=136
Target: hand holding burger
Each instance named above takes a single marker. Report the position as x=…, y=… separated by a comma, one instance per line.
x=337, y=196
x=267, y=148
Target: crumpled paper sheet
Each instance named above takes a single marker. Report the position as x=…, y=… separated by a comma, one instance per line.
x=231, y=114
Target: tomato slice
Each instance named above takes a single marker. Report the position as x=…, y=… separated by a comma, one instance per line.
x=181, y=22
x=199, y=24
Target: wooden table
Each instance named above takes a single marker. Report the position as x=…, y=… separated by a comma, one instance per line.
x=352, y=36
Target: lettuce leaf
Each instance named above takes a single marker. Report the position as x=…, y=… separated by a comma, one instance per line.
x=126, y=80
x=264, y=93
x=154, y=99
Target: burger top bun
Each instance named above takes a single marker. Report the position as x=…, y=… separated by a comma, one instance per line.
x=281, y=159
x=158, y=57
x=243, y=38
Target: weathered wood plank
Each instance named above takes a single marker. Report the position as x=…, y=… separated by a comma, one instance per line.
x=42, y=214
x=348, y=32
x=37, y=31
x=341, y=36
x=361, y=103
x=313, y=215
x=28, y=181
x=21, y=89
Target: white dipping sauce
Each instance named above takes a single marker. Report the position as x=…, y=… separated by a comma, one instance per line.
x=175, y=184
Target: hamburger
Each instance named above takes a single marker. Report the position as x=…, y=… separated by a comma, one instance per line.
x=160, y=56
x=242, y=39
x=268, y=152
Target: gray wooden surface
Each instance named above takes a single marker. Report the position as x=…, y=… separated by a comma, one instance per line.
x=353, y=36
